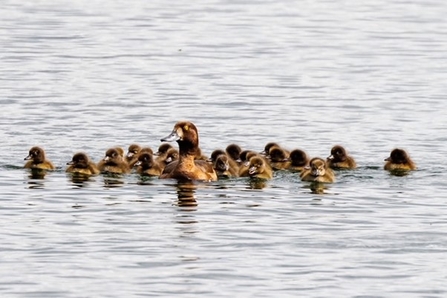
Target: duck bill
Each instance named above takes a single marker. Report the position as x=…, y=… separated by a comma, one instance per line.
x=316, y=173
x=387, y=159
x=70, y=163
x=171, y=138
x=252, y=170
x=130, y=155
x=28, y=157
x=137, y=164
x=330, y=157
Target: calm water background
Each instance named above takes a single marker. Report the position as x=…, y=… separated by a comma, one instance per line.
x=89, y=75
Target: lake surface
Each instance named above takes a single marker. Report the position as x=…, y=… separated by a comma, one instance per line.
x=90, y=75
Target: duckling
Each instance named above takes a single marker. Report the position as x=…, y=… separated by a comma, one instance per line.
x=246, y=155
x=234, y=152
x=113, y=162
x=399, y=160
x=298, y=160
x=36, y=160
x=279, y=158
x=267, y=147
x=225, y=166
x=187, y=167
x=318, y=171
x=147, y=166
x=81, y=164
x=171, y=155
x=132, y=154
x=258, y=168
x=214, y=155
x=339, y=159
x=161, y=152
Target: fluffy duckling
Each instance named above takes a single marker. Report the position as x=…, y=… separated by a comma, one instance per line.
x=187, y=167
x=298, y=160
x=161, y=152
x=132, y=154
x=339, y=159
x=279, y=158
x=399, y=160
x=36, y=160
x=318, y=171
x=259, y=168
x=225, y=166
x=246, y=155
x=234, y=152
x=81, y=164
x=147, y=166
x=267, y=147
x=113, y=162
x=214, y=155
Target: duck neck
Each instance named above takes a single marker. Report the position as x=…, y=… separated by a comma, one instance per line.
x=187, y=148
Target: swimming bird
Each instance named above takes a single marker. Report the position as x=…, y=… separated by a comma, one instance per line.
x=37, y=160
x=81, y=164
x=339, y=159
x=298, y=160
x=399, y=160
x=318, y=171
x=187, y=167
x=258, y=168
x=113, y=162
x=147, y=166
x=132, y=154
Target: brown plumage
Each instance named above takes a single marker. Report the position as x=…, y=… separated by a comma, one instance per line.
x=298, y=160
x=318, y=171
x=234, y=152
x=147, y=166
x=278, y=158
x=339, y=159
x=162, y=151
x=37, y=160
x=81, y=164
x=399, y=160
x=259, y=168
x=225, y=166
x=113, y=162
x=132, y=154
x=186, y=167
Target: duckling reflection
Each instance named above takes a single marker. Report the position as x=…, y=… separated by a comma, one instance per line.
x=318, y=187
x=186, y=194
x=37, y=174
x=113, y=180
x=257, y=183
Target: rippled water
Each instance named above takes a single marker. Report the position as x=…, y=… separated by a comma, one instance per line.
x=89, y=75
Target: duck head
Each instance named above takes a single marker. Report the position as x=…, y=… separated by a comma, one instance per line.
x=37, y=154
x=398, y=156
x=186, y=135
x=317, y=166
x=79, y=160
x=338, y=154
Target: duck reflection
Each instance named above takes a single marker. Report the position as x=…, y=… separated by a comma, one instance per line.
x=113, y=180
x=257, y=183
x=37, y=174
x=186, y=194
x=79, y=179
x=318, y=187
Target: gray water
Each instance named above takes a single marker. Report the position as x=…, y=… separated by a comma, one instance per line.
x=89, y=75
